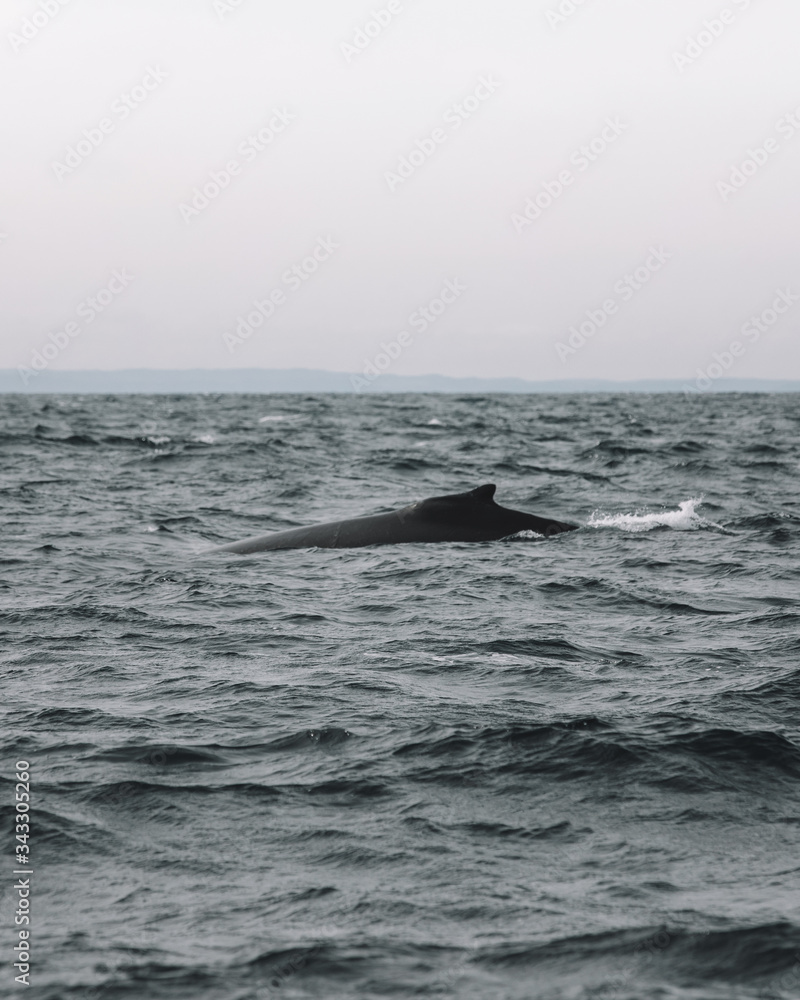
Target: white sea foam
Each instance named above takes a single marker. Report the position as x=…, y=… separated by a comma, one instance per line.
x=277, y=416
x=685, y=518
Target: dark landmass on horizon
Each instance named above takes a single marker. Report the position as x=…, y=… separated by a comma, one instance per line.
x=309, y=380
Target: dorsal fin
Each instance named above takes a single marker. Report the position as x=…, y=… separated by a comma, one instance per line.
x=484, y=493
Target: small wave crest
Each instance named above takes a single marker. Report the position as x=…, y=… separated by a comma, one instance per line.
x=523, y=536
x=685, y=518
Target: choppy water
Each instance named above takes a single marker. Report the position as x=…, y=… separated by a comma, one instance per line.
x=559, y=769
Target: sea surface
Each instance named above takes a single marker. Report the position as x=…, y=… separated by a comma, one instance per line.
x=533, y=769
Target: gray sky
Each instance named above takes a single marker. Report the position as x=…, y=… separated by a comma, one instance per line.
x=158, y=98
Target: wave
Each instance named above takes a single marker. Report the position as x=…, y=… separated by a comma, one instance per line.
x=639, y=961
x=139, y=441
x=563, y=831
x=162, y=756
x=591, y=748
x=685, y=518
x=767, y=521
x=732, y=955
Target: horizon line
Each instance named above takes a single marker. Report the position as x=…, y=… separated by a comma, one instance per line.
x=144, y=381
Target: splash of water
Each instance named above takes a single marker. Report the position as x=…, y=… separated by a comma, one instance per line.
x=685, y=518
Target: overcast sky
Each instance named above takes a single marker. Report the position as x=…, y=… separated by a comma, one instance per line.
x=481, y=177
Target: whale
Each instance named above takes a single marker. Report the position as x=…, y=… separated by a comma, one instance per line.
x=459, y=517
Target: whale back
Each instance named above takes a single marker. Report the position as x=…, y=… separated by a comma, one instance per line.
x=477, y=513
x=458, y=517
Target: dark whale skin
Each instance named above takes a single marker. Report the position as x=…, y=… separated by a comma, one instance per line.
x=461, y=517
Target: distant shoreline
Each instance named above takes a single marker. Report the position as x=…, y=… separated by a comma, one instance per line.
x=301, y=380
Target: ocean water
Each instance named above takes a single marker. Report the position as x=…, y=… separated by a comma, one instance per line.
x=559, y=769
